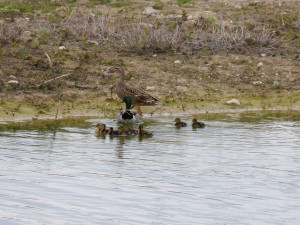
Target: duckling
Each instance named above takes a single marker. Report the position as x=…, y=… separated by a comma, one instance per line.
x=143, y=133
x=123, y=131
x=178, y=123
x=113, y=132
x=130, y=131
x=101, y=129
x=196, y=124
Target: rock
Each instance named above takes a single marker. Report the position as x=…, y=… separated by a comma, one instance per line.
x=177, y=62
x=257, y=83
x=13, y=83
x=12, y=77
x=61, y=47
x=263, y=55
x=150, y=88
x=26, y=36
x=233, y=102
x=92, y=42
x=149, y=10
x=260, y=64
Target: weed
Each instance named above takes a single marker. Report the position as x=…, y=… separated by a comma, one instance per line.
x=158, y=5
x=182, y=2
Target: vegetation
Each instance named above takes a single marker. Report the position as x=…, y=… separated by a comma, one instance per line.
x=222, y=49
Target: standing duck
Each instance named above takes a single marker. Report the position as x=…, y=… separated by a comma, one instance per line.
x=178, y=123
x=196, y=124
x=139, y=98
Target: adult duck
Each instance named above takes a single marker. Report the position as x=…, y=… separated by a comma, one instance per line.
x=128, y=115
x=139, y=98
x=196, y=124
x=179, y=123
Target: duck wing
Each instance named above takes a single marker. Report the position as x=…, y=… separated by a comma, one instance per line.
x=140, y=97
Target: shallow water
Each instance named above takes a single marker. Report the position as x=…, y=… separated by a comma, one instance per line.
x=234, y=171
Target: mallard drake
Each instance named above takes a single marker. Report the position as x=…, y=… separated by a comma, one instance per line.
x=178, y=123
x=143, y=133
x=196, y=124
x=128, y=115
x=139, y=98
x=101, y=129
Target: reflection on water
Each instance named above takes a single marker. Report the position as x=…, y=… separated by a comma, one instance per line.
x=238, y=170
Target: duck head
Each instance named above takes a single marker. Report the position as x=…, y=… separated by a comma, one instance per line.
x=177, y=120
x=194, y=121
x=118, y=70
x=99, y=127
x=128, y=102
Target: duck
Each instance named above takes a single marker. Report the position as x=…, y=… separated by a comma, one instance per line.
x=128, y=115
x=113, y=132
x=139, y=97
x=142, y=133
x=101, y=128
x=196, y=124
x=179, y=123
x=130, y=131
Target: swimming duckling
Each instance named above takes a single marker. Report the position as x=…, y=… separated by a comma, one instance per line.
x=113, y=132
x=178, y=123
x=130, y=131
x=196, y=124
x=123, y=131
x=143, y=133
x=101, y=129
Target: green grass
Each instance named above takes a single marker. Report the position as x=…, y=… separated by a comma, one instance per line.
x=121, y=3
x=182, y=2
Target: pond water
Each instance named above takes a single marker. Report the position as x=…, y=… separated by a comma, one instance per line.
x=237, y=170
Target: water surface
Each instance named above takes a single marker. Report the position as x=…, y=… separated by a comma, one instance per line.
x=238, y=170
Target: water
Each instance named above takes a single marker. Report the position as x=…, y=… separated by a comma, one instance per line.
x=235, y=171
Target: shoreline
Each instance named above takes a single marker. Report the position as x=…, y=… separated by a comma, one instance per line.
x=24, y=119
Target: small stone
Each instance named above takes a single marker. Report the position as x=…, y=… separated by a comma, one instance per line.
x=149, y=10
x=177, y=62
x=61, y=47
x=260, y=64
x=92, y=42
x=13, y=82
x=12, y=77
x=233, y=102
x=150, y=88
x=263, y=55
x=257, y=83
x=154, y=55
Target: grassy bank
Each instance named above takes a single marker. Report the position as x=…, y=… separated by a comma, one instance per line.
x=191, y=55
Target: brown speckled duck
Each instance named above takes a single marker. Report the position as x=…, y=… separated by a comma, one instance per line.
x=139, y=98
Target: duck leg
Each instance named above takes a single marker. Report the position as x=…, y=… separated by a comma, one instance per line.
x=139, y=110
